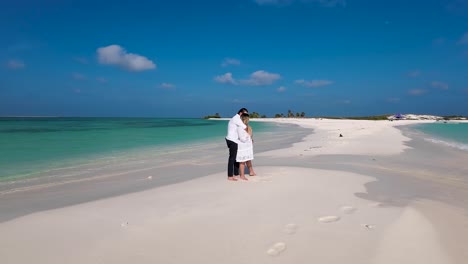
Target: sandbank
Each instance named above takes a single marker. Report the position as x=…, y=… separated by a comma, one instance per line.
x=365, y=197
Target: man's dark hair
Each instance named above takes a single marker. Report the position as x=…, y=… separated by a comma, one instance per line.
x=243, y=110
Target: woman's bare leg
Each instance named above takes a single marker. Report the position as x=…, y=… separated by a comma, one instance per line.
x=251, y=171
x=241, y=171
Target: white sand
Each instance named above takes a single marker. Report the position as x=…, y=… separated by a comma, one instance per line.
x=360, y=137
x=285, y=215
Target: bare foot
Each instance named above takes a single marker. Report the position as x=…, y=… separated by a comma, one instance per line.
x=244, y=178
x=232, y=179
x=252, y=174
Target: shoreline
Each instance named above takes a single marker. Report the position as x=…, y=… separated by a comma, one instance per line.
x=387, y=180
x=122, y=178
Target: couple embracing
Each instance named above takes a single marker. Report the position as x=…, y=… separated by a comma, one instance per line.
x=240, y=144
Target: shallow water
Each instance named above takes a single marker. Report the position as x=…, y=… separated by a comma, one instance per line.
x=452, y=134
x=38, y=147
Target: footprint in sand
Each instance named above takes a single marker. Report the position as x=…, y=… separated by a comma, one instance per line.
x=290, y=228
x=367, y=226
x=276, y=249
x=328, y=219
x=348, y=209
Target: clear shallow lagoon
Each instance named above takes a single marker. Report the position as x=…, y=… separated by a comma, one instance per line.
x=32, y=147
x=451, y=134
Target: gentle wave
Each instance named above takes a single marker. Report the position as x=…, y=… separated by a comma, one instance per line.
x=450, y=134
x=452, y=144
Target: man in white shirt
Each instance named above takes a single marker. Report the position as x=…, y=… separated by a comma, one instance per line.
x=232, y=139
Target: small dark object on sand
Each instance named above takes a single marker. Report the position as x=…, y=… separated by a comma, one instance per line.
x=341, y=135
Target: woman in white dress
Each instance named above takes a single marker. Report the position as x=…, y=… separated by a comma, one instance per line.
x=245, y=147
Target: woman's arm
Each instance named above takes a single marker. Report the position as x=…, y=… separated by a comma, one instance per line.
x=243, y=135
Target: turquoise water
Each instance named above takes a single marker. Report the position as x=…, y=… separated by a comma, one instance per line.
x=32, y=146
x=451, y=134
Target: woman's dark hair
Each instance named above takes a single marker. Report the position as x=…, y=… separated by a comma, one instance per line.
x=245, y=115
x=242, y=111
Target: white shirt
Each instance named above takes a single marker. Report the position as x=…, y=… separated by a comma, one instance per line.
x=233, y=124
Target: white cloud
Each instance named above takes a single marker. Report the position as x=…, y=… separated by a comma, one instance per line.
x=225, y=78
x=314, y=83
x=116, y=55
x=15, y=64
x=464, y=39
x=258, y=78
x=439, y=85
x=230, y=61
x=281, y=89
x=325, y=3
x=261, y=78
x=167, y=85
x=417, y=91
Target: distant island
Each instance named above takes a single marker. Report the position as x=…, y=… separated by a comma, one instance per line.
x=257, y=115
x=390, y=117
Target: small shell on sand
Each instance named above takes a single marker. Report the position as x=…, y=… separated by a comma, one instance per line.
x=328, y=219
x=276, y=249
x=348, y=209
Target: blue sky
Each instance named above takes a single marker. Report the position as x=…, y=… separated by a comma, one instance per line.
x=194, y=58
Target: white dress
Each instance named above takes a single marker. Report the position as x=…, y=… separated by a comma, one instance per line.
x=244, y=147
